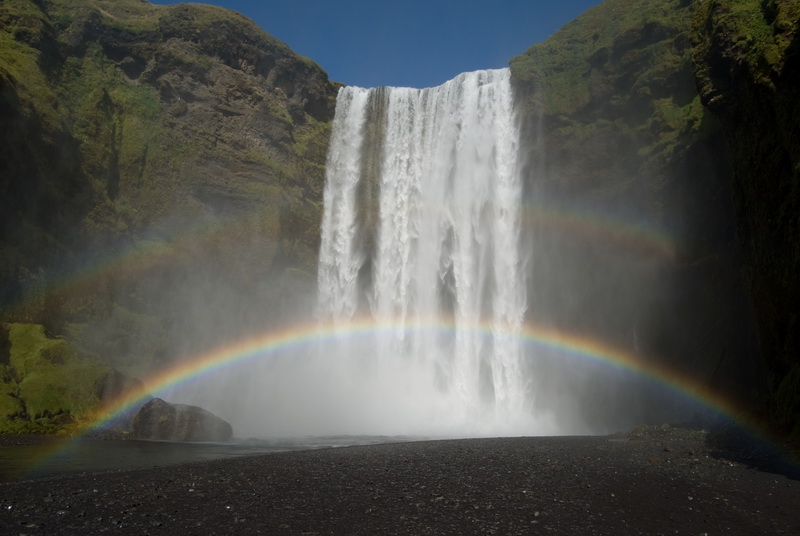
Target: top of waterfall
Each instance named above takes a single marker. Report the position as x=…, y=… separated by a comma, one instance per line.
x=456, y=79
x=417, y=43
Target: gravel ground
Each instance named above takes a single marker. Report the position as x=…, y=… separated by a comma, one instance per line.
x=652, y=482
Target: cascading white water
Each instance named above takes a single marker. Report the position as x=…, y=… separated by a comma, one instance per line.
x=420, y=236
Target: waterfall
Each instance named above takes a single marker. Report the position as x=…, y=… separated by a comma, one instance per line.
x=422, y=279
x=420, y=239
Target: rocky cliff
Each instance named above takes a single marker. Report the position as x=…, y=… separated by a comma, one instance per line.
x=160, y=178
x=747, y=62
x=151, y=148
x=673, y=122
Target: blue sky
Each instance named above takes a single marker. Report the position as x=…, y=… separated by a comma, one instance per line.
x=416, y=43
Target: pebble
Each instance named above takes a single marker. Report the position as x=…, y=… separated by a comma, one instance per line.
x=445, y=487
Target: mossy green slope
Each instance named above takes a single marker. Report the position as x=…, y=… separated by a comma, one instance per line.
x=45, y=385
x=620, y=73
x=161, y=171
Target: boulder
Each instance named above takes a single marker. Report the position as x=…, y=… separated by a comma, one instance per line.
x=158, y=419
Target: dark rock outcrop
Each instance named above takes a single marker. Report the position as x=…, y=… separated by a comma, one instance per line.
x=161, y=420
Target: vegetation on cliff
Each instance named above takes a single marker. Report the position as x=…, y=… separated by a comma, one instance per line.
x=46, y=386
x=620, y=73
x=684, y=114
x=161, y=174
x=615, y=116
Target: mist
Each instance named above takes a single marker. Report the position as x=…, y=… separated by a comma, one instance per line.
x=433, y=283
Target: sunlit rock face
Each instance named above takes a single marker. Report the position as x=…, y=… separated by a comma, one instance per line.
x=162, y=171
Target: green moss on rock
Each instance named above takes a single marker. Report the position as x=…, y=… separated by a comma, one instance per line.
x=46, y=385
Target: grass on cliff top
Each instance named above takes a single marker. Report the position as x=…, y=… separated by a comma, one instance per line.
x=190, y=20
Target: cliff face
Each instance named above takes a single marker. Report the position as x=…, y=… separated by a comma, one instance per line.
x=676, y=118
x=161, y=174
x=623, y=145
x=748, y=73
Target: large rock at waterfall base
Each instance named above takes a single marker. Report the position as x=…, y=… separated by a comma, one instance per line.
x=158, y=419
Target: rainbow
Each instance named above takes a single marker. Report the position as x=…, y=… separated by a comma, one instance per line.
x=306, y=338
x=633, y=236
x=182, y=245
x=272, y=344
x=185, y=244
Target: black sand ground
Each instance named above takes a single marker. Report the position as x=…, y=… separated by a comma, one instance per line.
x=656, y=483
